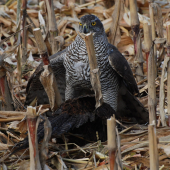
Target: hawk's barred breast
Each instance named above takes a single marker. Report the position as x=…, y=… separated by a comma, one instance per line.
x=78, y=70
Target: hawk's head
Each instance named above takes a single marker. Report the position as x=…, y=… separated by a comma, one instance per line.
x=90, y=23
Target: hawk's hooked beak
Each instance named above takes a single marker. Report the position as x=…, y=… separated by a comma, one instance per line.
x=85, y=29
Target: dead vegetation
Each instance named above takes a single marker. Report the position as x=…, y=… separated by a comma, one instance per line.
x=143, y=40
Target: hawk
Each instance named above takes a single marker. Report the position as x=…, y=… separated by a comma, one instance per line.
x=72, y=72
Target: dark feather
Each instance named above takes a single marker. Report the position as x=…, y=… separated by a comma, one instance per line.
x=34, y=87
x=121, y=66
x=130, y=106
x=73, y=114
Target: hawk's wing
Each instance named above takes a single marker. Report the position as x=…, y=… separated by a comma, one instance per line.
x=56, y=62
x=34, y=87
x=128, y=104
x=121, y=66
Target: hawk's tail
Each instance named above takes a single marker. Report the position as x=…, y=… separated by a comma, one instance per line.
x=130, y=106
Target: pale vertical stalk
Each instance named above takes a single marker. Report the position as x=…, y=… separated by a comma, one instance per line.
x=152, y=72
x=151, y=12
x=147, y=40
x=41, y=46
x=135, y=24
x=151, y=88
x=112, y=145
x=166, y=66
x=52, y=26
x=114, y=29
x=94, y=70
x=153, y=148
x=162, y=91
x=168, y=71
x=32, y=125
x=168, y=94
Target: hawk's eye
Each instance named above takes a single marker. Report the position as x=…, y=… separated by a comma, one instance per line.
x=93, y=23
x=80, y=23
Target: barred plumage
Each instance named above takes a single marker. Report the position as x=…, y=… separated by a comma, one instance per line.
x=76, y=63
